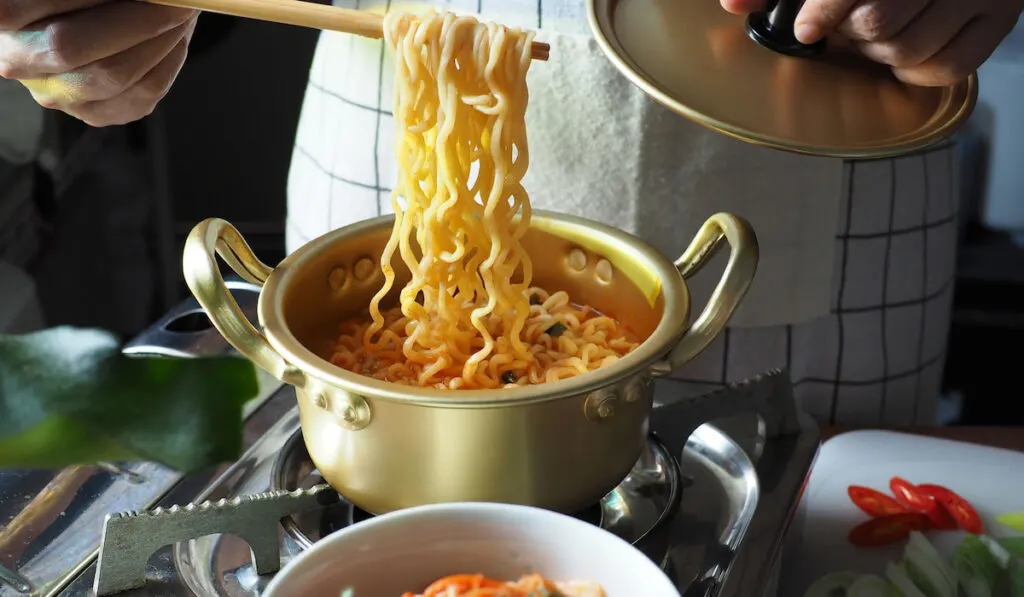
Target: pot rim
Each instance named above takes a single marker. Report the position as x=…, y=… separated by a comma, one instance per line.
x=663, y=278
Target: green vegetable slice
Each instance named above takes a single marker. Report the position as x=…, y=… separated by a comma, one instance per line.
x=926, y=576
x=919, y=547
x=1013, y=545
x=1015, y=521
x=1016, y=578
x=896, y=572
x=834, y=584
x=999, y=553
x=977, y=570
x=870, y=585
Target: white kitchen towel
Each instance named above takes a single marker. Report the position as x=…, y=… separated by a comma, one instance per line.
x=605, y=151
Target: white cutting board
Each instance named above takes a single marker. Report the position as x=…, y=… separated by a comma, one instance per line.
x=990, y=478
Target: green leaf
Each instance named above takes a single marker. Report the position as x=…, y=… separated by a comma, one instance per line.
x=69, y=396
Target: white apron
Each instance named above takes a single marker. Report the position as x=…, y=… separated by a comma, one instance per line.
x=853, y=292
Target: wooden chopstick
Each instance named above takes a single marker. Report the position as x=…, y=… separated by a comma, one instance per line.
x=307, y=14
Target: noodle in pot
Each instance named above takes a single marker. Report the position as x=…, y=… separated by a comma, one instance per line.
x=468, y=318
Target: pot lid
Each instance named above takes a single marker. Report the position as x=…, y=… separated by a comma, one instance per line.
x=750, y=79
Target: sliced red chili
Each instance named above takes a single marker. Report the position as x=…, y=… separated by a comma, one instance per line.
x=909, y=495
x=959, y=509
x=886, y=530
x=874, y=502
x=941, y=519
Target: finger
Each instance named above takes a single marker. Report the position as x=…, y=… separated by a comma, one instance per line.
x=818, y=18
x=191, y=27
x=109, y=77
x=139, y=100
x=17, y=14
x=925, y=36
x=71, y=41
x=879, y=20
x=743, y=7
x=962, y=56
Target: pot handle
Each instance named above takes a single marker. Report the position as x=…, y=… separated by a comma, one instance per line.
x=213, y=237
x=736, y=279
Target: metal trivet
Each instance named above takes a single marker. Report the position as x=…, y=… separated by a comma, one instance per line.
x=131, y=538
x=637, y=510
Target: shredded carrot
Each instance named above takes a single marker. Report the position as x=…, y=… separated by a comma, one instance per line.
x=478, y=585
x=459, y=582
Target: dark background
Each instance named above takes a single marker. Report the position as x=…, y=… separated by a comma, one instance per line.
x=110, y=208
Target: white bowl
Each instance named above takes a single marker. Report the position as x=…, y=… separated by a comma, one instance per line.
x=408, y=549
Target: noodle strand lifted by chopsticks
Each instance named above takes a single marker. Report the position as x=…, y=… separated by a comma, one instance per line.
x=468, y=318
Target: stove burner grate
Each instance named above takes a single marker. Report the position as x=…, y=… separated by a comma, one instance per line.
x=638, y=510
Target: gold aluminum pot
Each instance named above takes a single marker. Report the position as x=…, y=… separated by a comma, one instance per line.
x=384, y=446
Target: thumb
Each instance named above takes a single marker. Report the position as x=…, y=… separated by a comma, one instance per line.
x=743, y=7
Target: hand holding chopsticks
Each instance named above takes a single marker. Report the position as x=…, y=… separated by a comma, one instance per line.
x=307, y=14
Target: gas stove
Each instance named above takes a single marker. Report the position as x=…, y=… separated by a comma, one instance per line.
x=710, y=499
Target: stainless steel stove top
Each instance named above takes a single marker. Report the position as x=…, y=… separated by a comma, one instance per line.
x=723, y=495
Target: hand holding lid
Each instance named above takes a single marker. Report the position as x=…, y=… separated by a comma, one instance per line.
x=751, y=78
x=933, y=43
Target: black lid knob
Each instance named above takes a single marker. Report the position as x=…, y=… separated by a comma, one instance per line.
x=773, y=29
